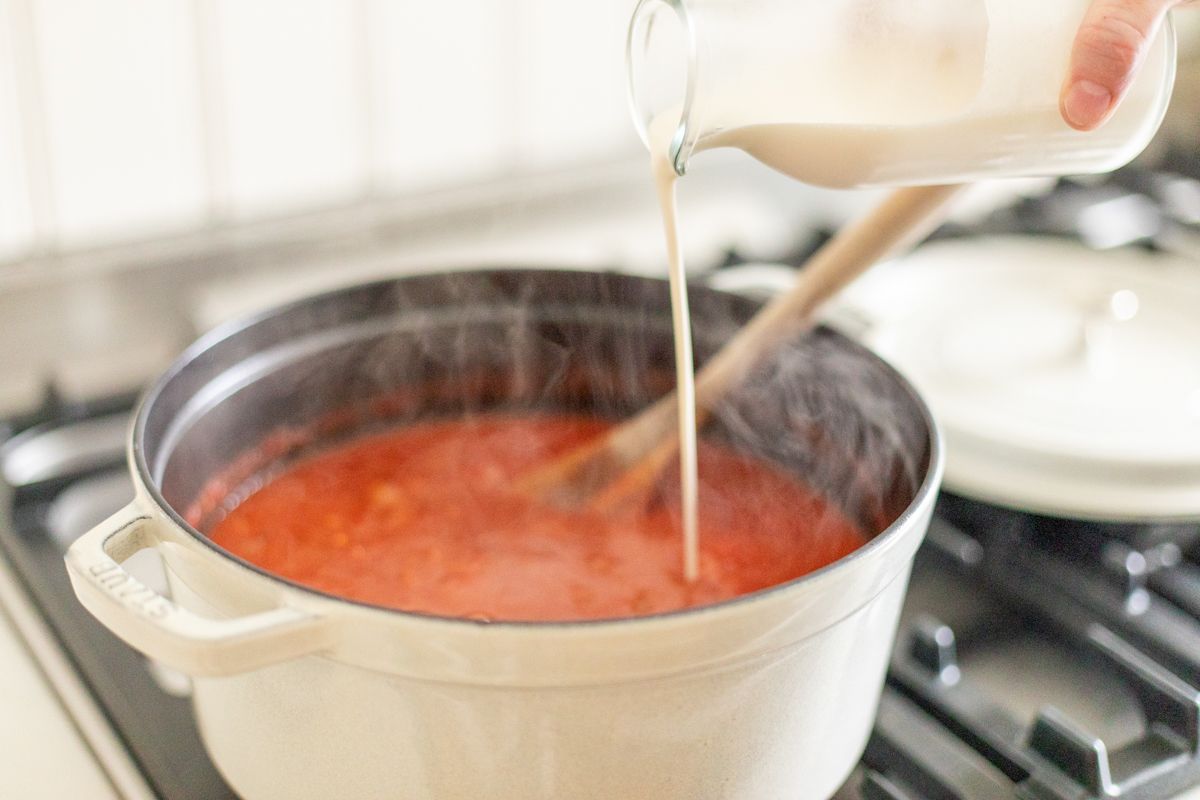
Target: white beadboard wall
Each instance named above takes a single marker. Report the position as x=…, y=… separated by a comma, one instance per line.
x=16, y=224
x=117, y=86
x=121, y=119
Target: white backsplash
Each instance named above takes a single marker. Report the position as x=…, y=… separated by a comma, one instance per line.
x=442, y=84
x=131, y=118
x=571, y=68
x=117, y=86
x=293, y=117
x=16, y=228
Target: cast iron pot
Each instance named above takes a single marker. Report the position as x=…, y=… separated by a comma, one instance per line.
x=300, y=694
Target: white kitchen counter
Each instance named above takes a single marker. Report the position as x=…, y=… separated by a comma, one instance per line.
x=42, y=755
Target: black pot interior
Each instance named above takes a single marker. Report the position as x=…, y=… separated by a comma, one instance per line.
x=467, y=343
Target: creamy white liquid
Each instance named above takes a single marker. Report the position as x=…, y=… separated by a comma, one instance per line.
x=685, y=379
x=954, y=151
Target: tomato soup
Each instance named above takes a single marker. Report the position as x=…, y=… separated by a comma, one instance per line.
x=426, y=518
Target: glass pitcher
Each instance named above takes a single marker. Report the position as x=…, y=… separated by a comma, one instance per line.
x=856, y=93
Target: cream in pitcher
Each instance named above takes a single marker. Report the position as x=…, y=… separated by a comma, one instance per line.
x=856, y=93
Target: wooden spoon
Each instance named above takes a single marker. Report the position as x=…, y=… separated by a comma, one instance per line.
x=626, y=461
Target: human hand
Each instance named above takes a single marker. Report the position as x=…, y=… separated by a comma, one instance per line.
x=1108, y=50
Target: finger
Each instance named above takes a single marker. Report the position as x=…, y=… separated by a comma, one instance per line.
x=1108, y=49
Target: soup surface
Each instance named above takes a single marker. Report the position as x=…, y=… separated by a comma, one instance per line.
x=425, y=518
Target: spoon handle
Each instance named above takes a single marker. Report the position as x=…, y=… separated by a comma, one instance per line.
x=901, y=220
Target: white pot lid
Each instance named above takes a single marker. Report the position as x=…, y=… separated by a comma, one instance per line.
x=1066, y=381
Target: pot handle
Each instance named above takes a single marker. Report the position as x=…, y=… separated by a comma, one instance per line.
x=166, y=631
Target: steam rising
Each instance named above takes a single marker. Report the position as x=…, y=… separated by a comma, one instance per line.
x=464, y=345
x=837, y=419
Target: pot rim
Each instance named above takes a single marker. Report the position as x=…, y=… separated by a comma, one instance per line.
x=883, y=540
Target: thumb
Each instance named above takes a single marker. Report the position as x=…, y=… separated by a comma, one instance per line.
x=1108, y=49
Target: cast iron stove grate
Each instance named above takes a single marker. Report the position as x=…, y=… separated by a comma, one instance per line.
x=1121, y=601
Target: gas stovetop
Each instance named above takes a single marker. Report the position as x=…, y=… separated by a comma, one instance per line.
x=1037, y=659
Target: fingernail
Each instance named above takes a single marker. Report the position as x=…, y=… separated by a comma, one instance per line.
x=1086, y=105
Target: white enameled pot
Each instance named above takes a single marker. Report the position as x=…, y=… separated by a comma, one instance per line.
x=303, y=695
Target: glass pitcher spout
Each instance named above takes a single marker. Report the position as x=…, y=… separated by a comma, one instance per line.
x=661, y=62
